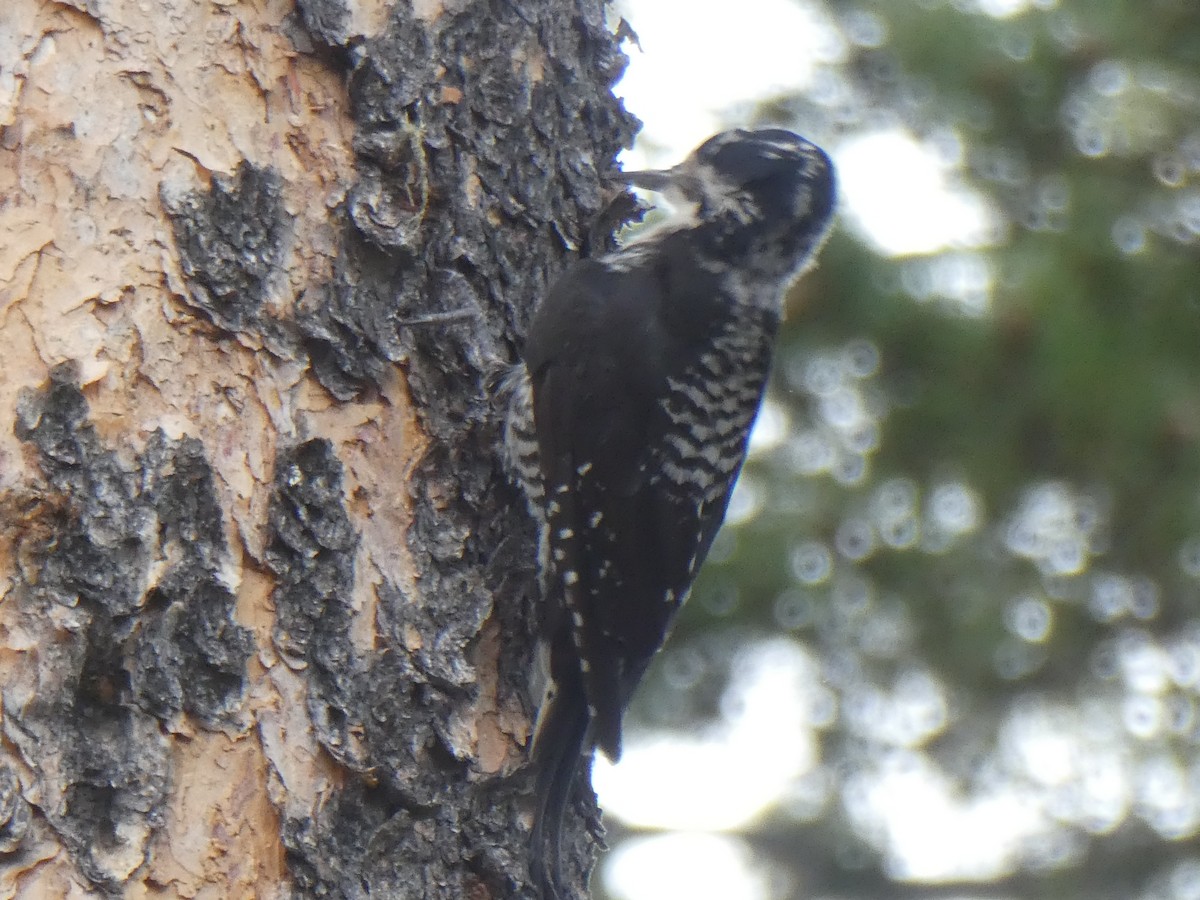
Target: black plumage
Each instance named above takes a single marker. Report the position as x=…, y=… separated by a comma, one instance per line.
x=645, y=369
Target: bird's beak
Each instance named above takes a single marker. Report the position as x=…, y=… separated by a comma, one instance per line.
x=649, y=179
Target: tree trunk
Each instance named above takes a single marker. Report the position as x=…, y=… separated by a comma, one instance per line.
x=267, y=606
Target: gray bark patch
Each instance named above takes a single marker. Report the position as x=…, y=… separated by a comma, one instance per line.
x=231, y=243
x=311, y=551
x=118, y=654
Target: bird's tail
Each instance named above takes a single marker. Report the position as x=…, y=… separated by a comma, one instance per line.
x=558, y=757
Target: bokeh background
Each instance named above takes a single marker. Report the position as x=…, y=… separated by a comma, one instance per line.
x=948, y=643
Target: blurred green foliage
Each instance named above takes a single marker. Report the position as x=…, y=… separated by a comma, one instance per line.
x=1000, y=496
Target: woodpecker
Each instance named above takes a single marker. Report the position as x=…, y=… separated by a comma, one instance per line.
x=643, y=370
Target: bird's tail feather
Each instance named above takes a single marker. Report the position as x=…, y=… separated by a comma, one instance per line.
x=558, y=756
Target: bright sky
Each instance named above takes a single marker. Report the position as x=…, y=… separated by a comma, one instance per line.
x=766, y=743
x=702, y=58
x=703, y=66
x=900, y=194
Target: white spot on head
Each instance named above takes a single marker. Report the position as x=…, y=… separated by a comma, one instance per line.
x=596, y=518
x=577, y=618
x=566, y=534
x=584, y=469
x=570, y=577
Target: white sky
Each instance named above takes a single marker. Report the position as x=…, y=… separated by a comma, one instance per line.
x=700, y=58
x=899, y=193
x=683, y=866
x=765, y=745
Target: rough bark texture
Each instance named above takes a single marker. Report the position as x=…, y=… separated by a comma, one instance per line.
x=264, y=622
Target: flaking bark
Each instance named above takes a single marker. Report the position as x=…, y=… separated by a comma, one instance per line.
x=267, y=610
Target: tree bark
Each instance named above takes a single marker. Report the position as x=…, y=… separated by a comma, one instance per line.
x=268, y=601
